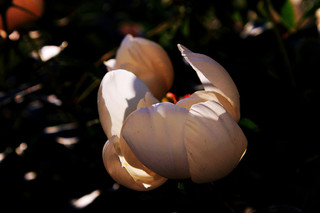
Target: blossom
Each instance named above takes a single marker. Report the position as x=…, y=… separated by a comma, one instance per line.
x=149, y=141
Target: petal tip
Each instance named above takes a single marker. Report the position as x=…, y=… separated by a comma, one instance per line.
x=128, y=36
x=183, y=49
x=126, y=40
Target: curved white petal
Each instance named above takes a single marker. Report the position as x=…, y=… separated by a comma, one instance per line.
x=212, y=74
x=148, y=100
x=214, y=142
x=113, y=166
x=139, y=172
x=148, y=61
x=155, y=136
x=214, y=95
x=122, y=172
x=119, y=94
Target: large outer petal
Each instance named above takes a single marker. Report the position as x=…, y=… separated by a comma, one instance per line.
x=119, y=94
x=214, y=142
x=132, y=177
x=148, y=61
x=155, y=135
x=212, y=74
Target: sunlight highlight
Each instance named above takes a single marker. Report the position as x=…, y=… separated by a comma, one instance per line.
x=30, y=176
x=14, y=36
x=50, y=51
x=34, y=34
x=54, y=100
x=61, y=127
x=85, y=200
x=2, y=156
x=115, y=186
x=5, y=153
x=21, y=148
x=19, y=97
x=68, y=142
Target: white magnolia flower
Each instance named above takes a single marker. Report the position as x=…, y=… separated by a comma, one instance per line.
x=197, y=138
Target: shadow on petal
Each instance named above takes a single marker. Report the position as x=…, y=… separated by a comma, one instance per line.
x=214, y=142
x=119, y=94
x=124, y=173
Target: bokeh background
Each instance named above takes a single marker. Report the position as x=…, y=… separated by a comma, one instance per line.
x=51, y=139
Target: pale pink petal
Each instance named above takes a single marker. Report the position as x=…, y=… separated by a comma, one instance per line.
x=212, y=74
x=119, y=94
x=113, y=166
x=125, y=174
x=197, y=97
x=148, y=61
x=155, y=136
x=148, y=100
x=139, y=172
x=214, y=142
x=214, y=95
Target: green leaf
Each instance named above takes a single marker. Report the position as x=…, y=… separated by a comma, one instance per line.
x=249, y=124
x=287, y=14
x=185, y=28
x=237, y=17
x=180, y=186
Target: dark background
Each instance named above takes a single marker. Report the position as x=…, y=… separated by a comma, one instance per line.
x=275, y=68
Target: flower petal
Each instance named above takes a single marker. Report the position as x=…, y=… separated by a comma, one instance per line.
x=214, y=142
x=119, y=94
x=139, y=172
x=148, y=61
x=148, y=100
x=127, y=176
x=214, y=95
x=212, y=74
x=155, y=135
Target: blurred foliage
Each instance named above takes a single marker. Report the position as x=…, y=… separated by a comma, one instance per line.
x=269, y=47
